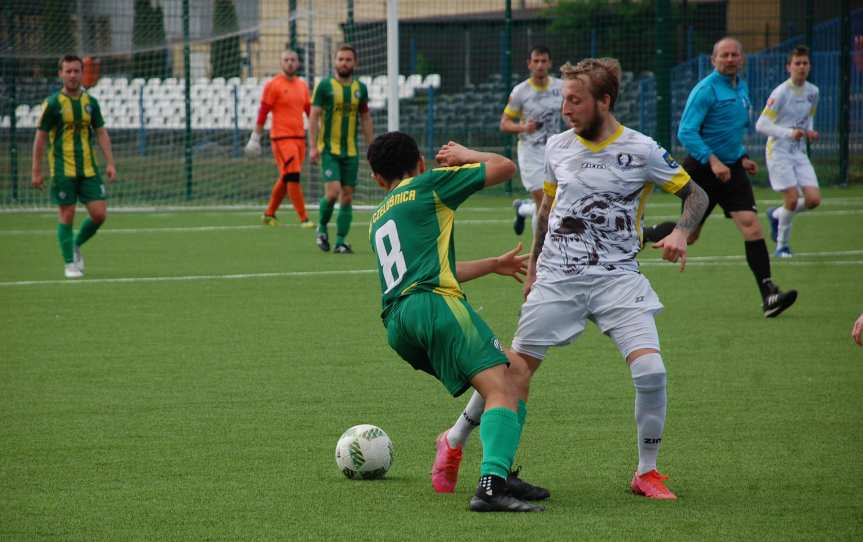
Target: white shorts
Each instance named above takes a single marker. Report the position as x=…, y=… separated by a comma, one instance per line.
x=790, y=170
x=622, y=305
x=531, y=166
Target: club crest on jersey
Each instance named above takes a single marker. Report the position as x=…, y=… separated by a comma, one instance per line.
x=88, y=108
x=624, y=159
x=672, y=163
x=357, y=94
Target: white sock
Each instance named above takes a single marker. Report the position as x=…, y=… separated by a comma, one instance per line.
x=783, y=215
x=648, y=375
x=527, y=208
x=467, y=422
x=801, y=206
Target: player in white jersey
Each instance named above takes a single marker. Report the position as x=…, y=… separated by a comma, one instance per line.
x=533, y=112
x=787, y=120
x=582, y=266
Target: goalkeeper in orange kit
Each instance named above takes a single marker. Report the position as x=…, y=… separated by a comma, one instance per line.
x=287, y=96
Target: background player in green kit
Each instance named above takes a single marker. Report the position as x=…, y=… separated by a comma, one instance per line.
x=69, y=119
x=429, y=322
x=340, y=106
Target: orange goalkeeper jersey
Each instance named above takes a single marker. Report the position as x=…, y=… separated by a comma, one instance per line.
x=288, y=99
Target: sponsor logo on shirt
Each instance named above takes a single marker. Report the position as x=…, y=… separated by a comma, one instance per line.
x=592, y=165
x=670, y=160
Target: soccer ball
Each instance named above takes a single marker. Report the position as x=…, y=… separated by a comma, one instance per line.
x=364, y=451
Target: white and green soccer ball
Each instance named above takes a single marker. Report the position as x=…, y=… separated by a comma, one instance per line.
x=364, y=452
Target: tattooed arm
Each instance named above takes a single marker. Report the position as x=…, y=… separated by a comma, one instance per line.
x=542, y=213
x=694, y=205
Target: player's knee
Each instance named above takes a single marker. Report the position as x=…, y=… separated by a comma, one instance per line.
x=99, y=216
x=649, y=376
x=812, y=202
x=291, y=177
x=346, y=199
x=519, y=375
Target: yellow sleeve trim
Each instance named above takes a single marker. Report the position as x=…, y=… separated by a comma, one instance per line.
x=549, y=189
x=812, y=113
x=769, y=113
x=511, y=113
x=453, y=168
x=678, y=181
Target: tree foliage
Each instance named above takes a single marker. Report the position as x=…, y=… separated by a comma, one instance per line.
x=225, y=56
x=148, y=39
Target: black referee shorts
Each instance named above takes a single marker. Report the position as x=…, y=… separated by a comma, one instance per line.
x=733, y=195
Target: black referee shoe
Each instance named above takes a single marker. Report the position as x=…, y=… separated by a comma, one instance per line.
x=518, y=488
x=777, y=301
x=518, y=224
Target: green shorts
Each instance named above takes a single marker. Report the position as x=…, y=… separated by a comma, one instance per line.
x=443, y=336
x=71, y=190
x=341, y=169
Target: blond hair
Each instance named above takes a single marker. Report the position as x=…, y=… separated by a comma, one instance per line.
x=603, y=74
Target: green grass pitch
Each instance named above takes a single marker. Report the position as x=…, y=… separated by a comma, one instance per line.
x=194, y=384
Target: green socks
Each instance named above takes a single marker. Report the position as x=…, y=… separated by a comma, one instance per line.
x=66, y=238
x=499, y=431
x=326, y=209
x=88, y=230
x=343, y=223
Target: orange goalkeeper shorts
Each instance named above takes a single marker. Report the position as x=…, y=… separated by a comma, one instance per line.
x=289, y=153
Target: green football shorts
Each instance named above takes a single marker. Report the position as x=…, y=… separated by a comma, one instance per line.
x=443, y=336
x=70, y=190
x=340, y=168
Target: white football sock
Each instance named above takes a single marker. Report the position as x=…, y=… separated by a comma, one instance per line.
x=467, y=422
x=648, y=375
x=783, y=215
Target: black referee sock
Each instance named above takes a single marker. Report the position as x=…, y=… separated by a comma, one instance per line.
x=759, y=263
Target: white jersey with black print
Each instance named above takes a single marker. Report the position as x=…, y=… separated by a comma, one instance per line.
x=540, y=104
x=600, y=191
x=789, y=107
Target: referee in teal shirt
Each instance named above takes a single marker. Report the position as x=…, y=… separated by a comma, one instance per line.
x=711, y=130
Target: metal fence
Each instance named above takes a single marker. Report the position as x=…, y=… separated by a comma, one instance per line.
x=459, y=60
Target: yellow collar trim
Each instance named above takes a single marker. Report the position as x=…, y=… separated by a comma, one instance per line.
x=596, y=147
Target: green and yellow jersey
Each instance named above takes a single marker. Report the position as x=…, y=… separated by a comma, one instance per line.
x=70, y=123
x=341, y=107
x=411, y=232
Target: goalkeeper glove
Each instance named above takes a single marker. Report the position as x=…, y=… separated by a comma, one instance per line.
x=253, y=147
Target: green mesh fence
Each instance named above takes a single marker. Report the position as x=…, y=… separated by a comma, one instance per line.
x=455, y=76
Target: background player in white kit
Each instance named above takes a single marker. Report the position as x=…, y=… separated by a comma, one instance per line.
x=533, y=112
x=583, y=266
x=787, y=120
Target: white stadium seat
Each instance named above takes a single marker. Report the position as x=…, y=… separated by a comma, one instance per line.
x=432, y=80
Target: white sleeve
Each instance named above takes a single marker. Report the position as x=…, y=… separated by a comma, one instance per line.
x=550, y=182
x=664, y=170
x=515, y=103
x=767, y=120
x=769, y=128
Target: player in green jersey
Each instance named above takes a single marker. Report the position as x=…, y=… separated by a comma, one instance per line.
x=428, y=319
x=340, y=105
x=69, y=119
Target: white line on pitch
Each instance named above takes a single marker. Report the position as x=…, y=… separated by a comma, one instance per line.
x=286, y=274
x=192, y=277
x=193, y=229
